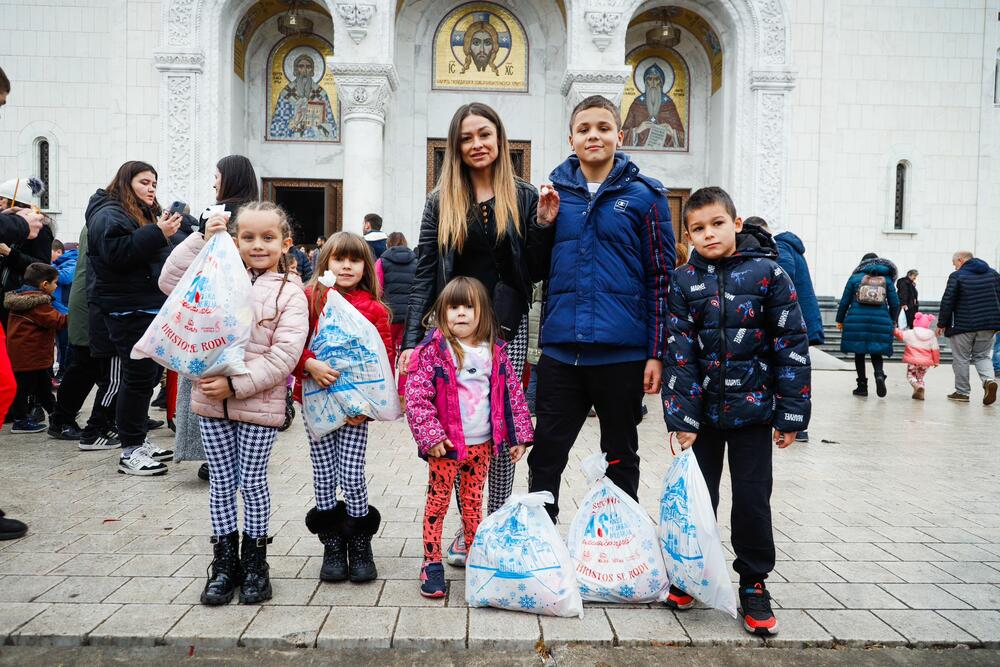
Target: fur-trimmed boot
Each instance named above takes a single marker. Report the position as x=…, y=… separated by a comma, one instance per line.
x=328, y=525
x=256, y=574
x=359, y=532
x=225, y=572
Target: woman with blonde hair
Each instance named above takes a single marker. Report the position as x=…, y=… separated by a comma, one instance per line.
x=483, y=222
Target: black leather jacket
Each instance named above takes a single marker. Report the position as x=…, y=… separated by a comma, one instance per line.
x=529, y=259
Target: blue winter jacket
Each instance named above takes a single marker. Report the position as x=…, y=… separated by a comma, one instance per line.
x=792, y=258
x=868, y=328
x=66, y=265
x=738, y=351
x=612, y=256
x=971, y=300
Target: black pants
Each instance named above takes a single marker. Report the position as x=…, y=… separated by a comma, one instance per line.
x=139, y=377
x=565, y=395
x=859, y=365
x=910, y=313
x=750, y=471
x=85, y=371
x=34, y=385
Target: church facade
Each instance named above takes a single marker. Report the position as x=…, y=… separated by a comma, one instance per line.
x=858, y=125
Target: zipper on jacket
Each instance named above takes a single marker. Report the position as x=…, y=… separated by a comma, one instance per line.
x=722, y=341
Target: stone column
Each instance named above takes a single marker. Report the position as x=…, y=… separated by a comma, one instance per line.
x=179, y=74
x=578, y=84
x=771, y=91
x=364, y=95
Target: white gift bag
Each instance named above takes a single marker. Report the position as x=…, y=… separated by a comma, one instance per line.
x=203, y=327
x=351, y=345
x=519, y=562
x=689, y=536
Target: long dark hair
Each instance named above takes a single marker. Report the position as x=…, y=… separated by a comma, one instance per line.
x=238, y=184
x=120, y=189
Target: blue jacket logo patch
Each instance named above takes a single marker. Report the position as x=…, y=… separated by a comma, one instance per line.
x=621, y=205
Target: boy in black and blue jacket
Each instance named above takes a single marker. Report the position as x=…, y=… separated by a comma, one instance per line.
x=603, y=331
x=737, y=366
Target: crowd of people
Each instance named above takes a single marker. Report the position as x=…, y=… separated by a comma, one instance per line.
x=583, y=272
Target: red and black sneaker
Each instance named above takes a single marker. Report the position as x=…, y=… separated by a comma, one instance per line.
x=678, y=599
x=755, y=607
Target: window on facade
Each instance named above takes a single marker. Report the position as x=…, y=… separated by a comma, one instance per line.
x=43, y=170
x=996, y=81
x=899, y=218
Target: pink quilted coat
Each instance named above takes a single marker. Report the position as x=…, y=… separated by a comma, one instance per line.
x=274, y=348
x=922, y=347
x=432, y=400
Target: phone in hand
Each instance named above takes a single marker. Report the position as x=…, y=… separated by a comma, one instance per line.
x=178, y=207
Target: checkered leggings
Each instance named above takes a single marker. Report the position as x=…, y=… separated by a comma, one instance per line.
x=338, y=459
x=501, y=473
x=237, y=456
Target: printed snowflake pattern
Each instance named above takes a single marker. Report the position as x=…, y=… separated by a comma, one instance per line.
x=484, y=602
x=175, y=361
x=527, y=602
x=196, y=367
x=230, y=321
x=626, y=591
x=522, y=587
x=230, y=338
x=160, y=351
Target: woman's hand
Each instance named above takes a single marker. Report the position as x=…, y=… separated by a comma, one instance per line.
x=321, y=372
x=686, y=439
x=404, y=360
x=548, y=205
x=169, y=223
x=217, y=223
x=4, y=249
x=356, y=420
x=440, y=449
x=215, y=388
x=516, y=452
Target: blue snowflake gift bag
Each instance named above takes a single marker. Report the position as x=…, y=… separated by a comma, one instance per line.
x=203, y=328
x=689, y=536
x=519, y=562
x=613, y=543
x=350, y=344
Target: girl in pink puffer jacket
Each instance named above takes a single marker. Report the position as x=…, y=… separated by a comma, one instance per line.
x=240, y=414
x=463, y=403
x=922, y=351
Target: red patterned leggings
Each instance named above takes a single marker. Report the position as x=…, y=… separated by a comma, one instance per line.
x=474, y=470
x=915, y=375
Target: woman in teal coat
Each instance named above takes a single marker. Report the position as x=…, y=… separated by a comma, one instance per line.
x=867, y=317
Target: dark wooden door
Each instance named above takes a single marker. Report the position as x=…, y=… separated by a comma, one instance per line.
x=315, y=206
x=677, y=197
x=520, y=157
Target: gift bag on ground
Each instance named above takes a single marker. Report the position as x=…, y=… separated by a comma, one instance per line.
x=613, y=543
x=350, y=344
x=519, y=562
x=689, y=536
x=204, y=325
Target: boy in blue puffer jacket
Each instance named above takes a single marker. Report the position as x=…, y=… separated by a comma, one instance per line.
x=737, y=365
x=603, y=331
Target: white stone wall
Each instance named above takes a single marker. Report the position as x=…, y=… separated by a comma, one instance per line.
x=878, y=83
x=82, y=76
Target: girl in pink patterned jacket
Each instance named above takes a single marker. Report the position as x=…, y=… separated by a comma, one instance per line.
x=922, y=351
x=463, y=403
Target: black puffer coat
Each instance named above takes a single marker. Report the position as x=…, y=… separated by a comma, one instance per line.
x=971, y=300
x=738, y=350
x=399, y=265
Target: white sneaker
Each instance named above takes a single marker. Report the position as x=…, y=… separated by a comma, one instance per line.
x=156, y=453
x=139, y=463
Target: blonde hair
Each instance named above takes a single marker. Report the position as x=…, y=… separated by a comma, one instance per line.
x=285, y=227
x=465, y=291
x=454, y=187
x=354, y=248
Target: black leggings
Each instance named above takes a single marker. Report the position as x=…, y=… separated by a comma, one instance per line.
x=859, y=365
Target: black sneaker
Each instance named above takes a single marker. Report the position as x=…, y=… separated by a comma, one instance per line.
x=203, y=472
x=802, y=436
x=678, y=599
x=755, y=608
x=37, y=414
x=27, y=426
x=65, y=431
x=98, y=441
x=160, y=402
x=153, y=424
x=11, y=529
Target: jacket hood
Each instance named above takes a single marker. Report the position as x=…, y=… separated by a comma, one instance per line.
x=25, y=298
x=877, y=266
x=376, y=235
x=568, y=173
x=923, y=334
x=66, y=256
x=398, y=255
x=975, y=265
x=791, y=239
x=100, y=200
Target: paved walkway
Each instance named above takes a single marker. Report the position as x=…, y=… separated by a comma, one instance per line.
x=887, y=523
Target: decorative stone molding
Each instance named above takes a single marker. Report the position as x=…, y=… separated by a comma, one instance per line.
x=356, y=17
x=771, y=154
x=364, y=88
x=602, y=25
x=179, y=146
x=179, y=61
x=772, y=80
x=180, y=22
x=771, y=28
x=600, y=82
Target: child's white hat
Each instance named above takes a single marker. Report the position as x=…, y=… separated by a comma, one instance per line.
x=25, y=191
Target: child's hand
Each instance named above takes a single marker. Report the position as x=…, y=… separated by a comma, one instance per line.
x=548, y=205
x=686, y=439
x=354, y=421
x=216, y=388
x=651, y=376
x=321, y=372
x=782, y=440
x=440, y=449
x=217, y=223
x=403, y=361
x=516, y=452
x=840, y=325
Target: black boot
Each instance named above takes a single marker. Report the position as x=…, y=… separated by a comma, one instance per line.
x=256, y=585
x=862, y=389
x=880, y=386
x=224, y=572
x=359, y=532
x=329, y=526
